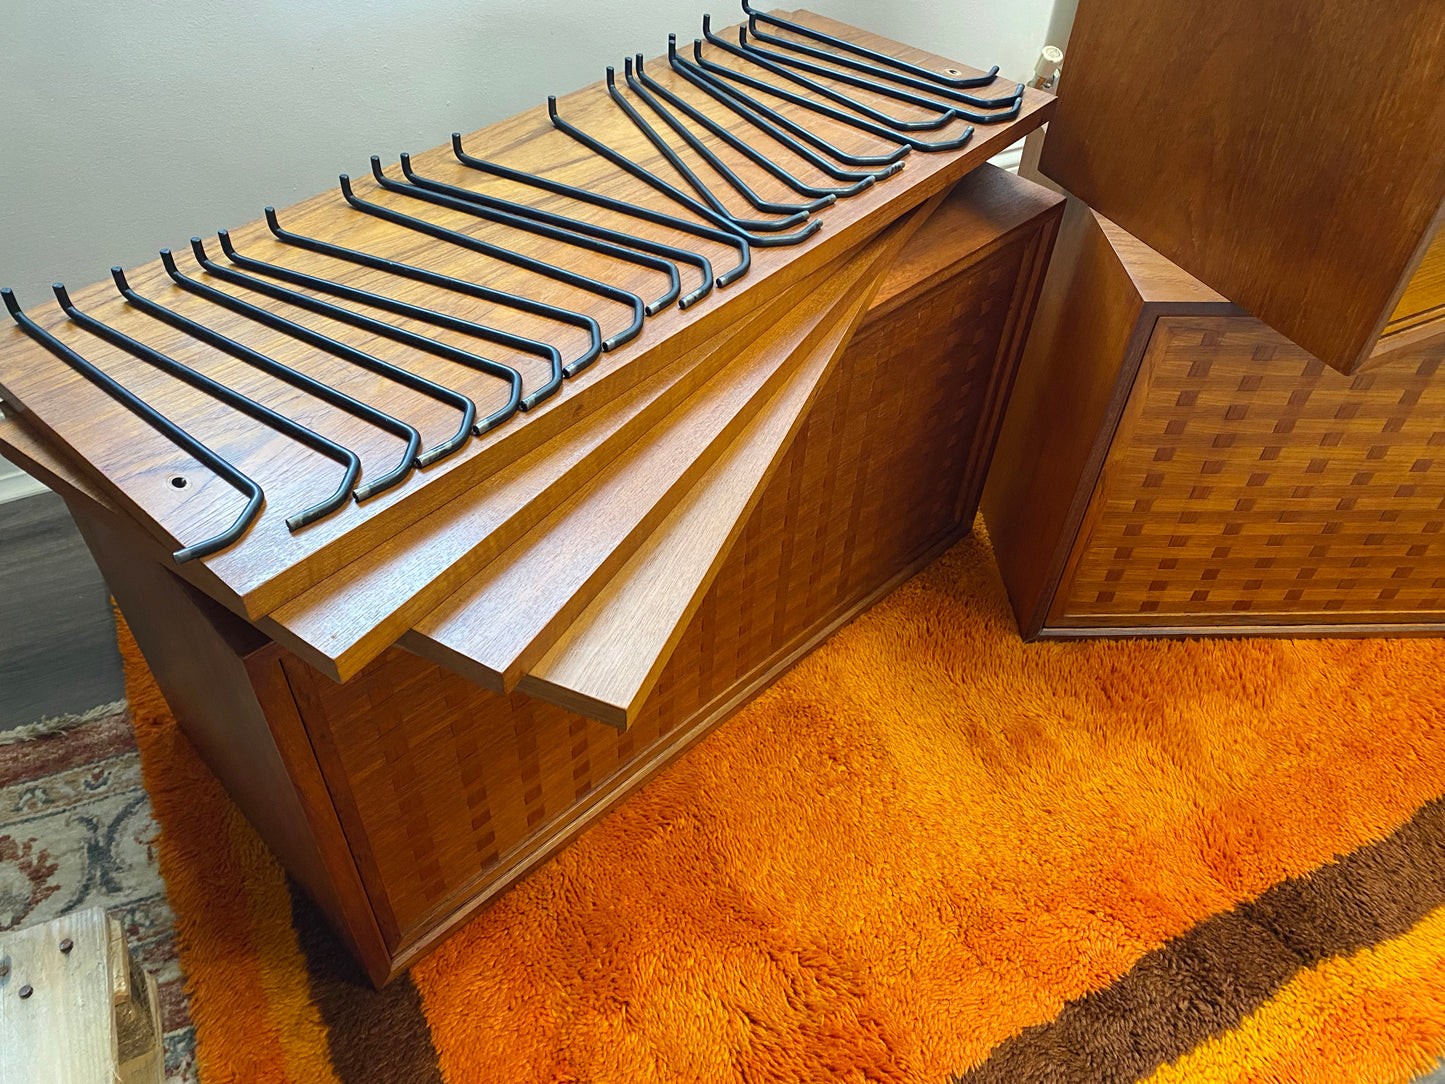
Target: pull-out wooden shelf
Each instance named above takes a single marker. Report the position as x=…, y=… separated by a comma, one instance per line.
x=407, y=796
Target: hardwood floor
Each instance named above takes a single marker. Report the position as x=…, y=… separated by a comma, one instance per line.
x=57, y=635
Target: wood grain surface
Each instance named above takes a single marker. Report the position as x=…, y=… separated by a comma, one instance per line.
x=1249, y=484
x=270, y=565
x=1424, y=296
x=1103, y=291
x=1288, y=155
x=502, y=620
x=349, y=618
x=607, y=659
x=223, y=681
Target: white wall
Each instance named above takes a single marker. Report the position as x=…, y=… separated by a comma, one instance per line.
x=129, y=125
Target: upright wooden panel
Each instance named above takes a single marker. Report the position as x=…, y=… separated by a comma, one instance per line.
x=1289, y=155
x=223, y=681
x=1101, y=296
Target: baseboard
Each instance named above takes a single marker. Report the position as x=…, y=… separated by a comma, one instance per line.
x=15, y=487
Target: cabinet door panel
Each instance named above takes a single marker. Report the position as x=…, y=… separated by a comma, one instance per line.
x=1291, y=156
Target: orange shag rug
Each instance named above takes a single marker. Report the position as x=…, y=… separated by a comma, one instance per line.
x=929, y=853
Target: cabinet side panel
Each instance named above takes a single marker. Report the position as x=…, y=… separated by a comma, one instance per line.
x=223, y=682
x=1069, y=389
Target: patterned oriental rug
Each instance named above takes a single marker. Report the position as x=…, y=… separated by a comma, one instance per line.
x=75, y=832
x=930, y=853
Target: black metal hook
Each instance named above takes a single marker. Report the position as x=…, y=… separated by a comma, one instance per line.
x=905, y=140
x=794, y=216
x=255, y=498
x=345, y=456
x=774, y=62
x=325, y=392
x=366, y=323
x=516, y=259
x=648, y=86
x=943, y=113
x=333, y=346
x=760, y=118
x=882, y=73
x=712, y=71
x=541, y=229
x=449, y=282
x=706, y=154
x=672, y=252
x=584, y=195
x=642, y=174
x=882, y=58
x=415, y=312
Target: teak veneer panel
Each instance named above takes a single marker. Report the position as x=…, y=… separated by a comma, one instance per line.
x=270, y=566
x=505, y=618
x=605, y=662
x=223, y=681
x=1102, y=293
x=1289, y=155
x=1248, y=484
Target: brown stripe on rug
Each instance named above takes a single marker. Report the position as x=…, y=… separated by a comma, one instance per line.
x=1205, y=982
x=373, y=1035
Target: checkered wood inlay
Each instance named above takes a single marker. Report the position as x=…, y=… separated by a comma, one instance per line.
x=438, y=781
x=1249, y=483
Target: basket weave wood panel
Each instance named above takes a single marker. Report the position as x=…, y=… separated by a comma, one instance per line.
x=1249, y=484
x=438, y=782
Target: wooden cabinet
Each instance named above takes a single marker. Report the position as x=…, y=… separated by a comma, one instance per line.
x=1170, y=464
x=1291, y=156
x=407, y=797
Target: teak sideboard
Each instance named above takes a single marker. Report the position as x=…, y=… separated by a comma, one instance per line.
x=407, y=797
